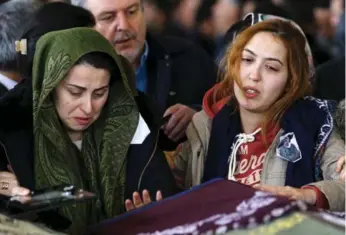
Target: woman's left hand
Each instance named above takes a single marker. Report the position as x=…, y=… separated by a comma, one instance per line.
x=138, y=201
x=307, y=195
x=340, y=167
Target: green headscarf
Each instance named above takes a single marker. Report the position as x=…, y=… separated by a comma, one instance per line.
x=100, y=166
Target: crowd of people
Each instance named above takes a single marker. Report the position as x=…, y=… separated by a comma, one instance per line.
x=138, y=100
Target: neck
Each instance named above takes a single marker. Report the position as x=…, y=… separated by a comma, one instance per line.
x=137, y=62
x=75, y=136
x=250, y=121
x=12, y=75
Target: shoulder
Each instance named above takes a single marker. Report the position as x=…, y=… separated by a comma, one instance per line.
x=310, y=105
x=200, y=127
x=176, y=47
x=330, y=66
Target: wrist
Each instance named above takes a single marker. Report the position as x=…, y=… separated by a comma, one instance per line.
x=310, y=196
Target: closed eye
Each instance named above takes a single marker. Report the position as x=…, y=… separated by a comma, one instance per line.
x=246, y=59
x=274, y=69
x=107, y=17
x=75, y=93
x=100, y=93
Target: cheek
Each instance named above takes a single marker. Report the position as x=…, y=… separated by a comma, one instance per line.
x=276, y=87
x=99, y=104
x=243, y=72
x=65, y=107
x=237, y=92
x=105, y=30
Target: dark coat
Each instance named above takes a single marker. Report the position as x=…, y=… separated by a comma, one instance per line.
x=3, y=90
x=178, y=72
x=330, y=80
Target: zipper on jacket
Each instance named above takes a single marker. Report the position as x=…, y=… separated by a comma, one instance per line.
x=8, y=159
x=151, y=157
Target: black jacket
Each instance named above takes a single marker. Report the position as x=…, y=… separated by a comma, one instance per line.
x=3, y=90
x=330, y=80
x=178, y=72
x=147, y=167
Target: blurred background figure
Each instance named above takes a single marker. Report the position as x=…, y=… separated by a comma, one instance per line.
x=184, y=14
x=225, y=14
x=159, y=17
x=15, y=17
x=265, y=7
x=337, y=18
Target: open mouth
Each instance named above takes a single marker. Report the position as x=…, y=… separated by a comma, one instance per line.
x=251, y=92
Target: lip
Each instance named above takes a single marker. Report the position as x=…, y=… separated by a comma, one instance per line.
x=251, y=95
x=123, y=41
x=82, y=121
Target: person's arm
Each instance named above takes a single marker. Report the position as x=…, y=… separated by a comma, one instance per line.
x=332, y=187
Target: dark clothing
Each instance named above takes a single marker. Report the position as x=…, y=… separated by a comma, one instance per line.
x=157, y=175
x=3, y=90
x=16, y=146
x=178, y=72
x=302, y=169
x=330, y=80
x=201, y=210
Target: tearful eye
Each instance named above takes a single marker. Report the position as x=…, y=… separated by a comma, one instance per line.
x=98, y=95
x=75, y=93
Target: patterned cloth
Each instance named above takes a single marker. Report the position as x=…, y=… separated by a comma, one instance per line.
x=100, y=166
x=208, y=207
x=296, y=223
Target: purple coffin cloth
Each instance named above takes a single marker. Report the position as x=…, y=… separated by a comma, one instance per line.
x=216, y=206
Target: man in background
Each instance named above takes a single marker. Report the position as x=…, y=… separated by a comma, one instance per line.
x=173, y=72
x=14, y=18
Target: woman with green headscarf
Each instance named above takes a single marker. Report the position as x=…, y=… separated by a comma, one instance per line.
x=87, y=129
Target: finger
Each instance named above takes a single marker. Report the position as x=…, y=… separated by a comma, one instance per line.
x=20, y=191
x=180, y=135
x=7, y=175
x=9, y=167
x=176, y=118
x=267, y=188
x=293, y=198
x=159, y=196
x=286, y=194
x=180, y=128
x=171, y=110
x=129, y=205
x=137, y=201
x=340, y=163
x=343, y=174
x=21, y=199
x=146, y=197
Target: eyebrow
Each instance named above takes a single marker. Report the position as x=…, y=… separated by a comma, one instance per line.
x=83, y=88
x=268, y=58
x=132, y=6
x=112, y=12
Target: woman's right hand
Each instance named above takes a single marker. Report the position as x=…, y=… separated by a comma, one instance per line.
x=138, y=202
x=9, y=185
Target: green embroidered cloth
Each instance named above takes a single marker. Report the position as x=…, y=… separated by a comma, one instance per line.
x=100, y=166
